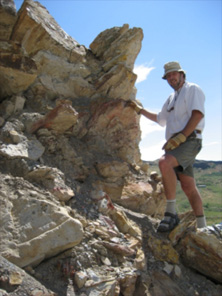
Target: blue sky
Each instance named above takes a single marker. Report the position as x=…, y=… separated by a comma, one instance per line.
x=184, y=31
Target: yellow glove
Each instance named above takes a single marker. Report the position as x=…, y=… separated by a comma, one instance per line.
x=135, y=106
x=174, y=142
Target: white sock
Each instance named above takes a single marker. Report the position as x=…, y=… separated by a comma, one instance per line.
x=201, y=221
x=171, y=206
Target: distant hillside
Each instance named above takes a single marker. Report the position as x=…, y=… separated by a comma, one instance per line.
x=203, y=164
x=199, y=164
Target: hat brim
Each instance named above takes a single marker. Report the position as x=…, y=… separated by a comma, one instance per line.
x=173, y=70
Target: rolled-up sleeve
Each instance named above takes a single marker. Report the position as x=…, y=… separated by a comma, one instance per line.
x=196, y=99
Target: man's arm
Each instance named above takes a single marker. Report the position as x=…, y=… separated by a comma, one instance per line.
x=149, y=115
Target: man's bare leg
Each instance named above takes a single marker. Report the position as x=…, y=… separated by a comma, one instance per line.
x=166, y=165
x=188, y=185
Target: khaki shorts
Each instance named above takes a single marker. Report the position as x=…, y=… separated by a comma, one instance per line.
x=185, y=154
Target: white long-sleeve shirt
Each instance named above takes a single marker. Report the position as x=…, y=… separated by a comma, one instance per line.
x=178, y=108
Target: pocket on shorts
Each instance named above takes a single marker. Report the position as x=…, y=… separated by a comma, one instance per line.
x=197, y=147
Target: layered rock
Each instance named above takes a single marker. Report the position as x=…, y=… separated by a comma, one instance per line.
x=34, y=228
x=203, y=251
x=141, y=197
x=199, y=248
x=8, y=18
x=36, y=30
x=16, y=281
x=17, y=71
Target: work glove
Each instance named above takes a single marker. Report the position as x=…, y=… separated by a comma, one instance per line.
x=135, y=106
x=174, y=142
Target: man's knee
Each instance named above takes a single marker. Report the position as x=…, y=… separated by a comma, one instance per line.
x=161, y=161
x=163, y=164
x=167, y=161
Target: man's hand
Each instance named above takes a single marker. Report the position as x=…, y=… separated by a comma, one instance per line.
x=135, y=106
x=174, y=142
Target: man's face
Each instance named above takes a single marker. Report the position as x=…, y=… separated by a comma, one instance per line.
x=175, y=79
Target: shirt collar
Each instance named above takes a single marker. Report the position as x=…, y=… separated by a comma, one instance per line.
x=178, y=91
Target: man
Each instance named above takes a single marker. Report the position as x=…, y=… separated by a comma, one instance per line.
x=183, y=116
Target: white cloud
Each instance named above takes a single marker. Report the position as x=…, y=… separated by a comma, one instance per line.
x=211, y=144
x=151, y=152
x=148, y=127
x=210, y=151
x=142, y=72
x=151, y=146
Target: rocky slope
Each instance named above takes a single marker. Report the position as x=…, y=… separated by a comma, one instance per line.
x=79, y=208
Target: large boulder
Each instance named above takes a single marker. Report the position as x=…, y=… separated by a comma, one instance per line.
x=119, y=45
x=201, y=248
x=17, y=282
x=33, y=227
x=35, y=29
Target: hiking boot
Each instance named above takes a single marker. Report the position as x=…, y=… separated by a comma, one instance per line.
x=169, y=222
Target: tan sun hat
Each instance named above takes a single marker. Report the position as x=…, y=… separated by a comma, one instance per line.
x=172, y=67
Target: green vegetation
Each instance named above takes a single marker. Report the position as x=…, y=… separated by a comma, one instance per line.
x=208, y=177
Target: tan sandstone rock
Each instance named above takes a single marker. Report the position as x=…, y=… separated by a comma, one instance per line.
x=8, y=18
x=37, y=30
x=60, y=119
x=34, y=228
x=202, y=250
x=17, y=71
x=140, y=197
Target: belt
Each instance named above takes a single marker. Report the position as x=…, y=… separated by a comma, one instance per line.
x=194, y=134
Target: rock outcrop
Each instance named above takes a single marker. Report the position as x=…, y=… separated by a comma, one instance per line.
x=79, y=208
